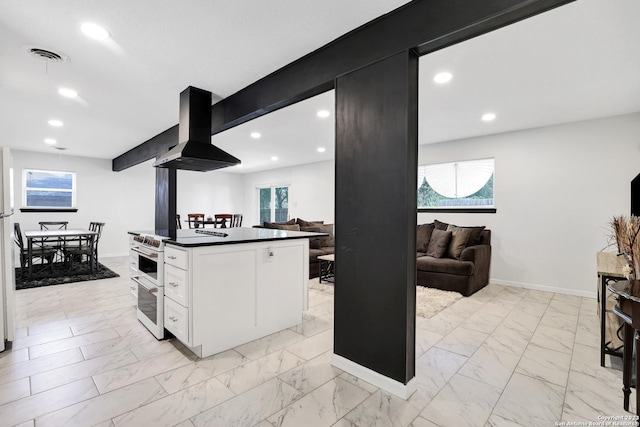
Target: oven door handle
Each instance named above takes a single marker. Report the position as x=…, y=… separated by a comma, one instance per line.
x=150, y=290
x=147, y=255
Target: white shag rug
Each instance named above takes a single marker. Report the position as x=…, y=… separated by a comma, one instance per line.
x=429, y=301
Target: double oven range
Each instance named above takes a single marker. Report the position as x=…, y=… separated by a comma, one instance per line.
x=146, y=272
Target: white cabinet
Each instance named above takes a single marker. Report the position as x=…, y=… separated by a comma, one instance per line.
x=227, y=295
x=176, y=293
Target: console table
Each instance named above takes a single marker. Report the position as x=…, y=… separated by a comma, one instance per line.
x=628, y=309
x=609, y=271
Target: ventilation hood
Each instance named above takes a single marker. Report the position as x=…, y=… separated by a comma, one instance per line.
x=194, y=150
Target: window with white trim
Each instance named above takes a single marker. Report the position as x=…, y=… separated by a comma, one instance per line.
x=48, y=189
x=273, y=203
x=464, y=184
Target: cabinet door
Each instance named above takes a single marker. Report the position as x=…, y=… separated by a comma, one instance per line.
x=176, y=257
x=176, y=320
x=280, y=286
x=176, y=285
x=224, y=294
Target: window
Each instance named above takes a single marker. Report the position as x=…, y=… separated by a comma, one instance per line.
x=457, y=185
x=49, y=189
x=274, y=203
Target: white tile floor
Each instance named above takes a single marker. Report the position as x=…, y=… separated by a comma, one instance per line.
x=503, y=357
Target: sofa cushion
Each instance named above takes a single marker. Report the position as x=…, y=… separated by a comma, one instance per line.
x=314, y=242
x=423, y=235
x=275, y=225
x=419, y=254
x=439, y=243
x=314, y=254
x=328, y=250
x=459, y=239
x=440, y=225
x=289, y=227
x=445, y=265
x=303, y=223
x=322, y=228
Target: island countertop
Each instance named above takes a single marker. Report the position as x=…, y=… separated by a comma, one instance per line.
x=227, y=236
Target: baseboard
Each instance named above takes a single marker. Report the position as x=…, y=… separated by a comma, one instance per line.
x=403, y=391
x=565, y=291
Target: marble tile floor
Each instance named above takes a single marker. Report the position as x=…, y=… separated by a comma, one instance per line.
x=502, y=357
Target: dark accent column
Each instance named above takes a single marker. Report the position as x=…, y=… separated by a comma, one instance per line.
x=376, y=187
x=635, y=196
x=166, y=180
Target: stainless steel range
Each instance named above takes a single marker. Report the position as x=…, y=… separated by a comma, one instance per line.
x=146, y=253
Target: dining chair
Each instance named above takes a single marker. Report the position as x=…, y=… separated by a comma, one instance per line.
x=178, y=224
x=236, y=220
x=53, y=225
x=193, y=219
x=222, y=219
x=43, y=253
x=83, y=248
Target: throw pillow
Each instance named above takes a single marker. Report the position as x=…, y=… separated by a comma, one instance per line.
x=459, y=238
x=439, y=243
x=440, y=225
x=476, y=233
x=314, y=242
x=303, y=223
x=423, y=235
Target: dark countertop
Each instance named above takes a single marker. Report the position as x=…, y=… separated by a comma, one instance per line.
x=200, y=236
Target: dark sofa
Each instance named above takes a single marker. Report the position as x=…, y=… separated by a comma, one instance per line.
x=318, y=246
x=462, y=267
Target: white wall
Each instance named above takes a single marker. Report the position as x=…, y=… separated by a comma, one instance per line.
x=556, y=189
x=122, y=200
x=311, y=196
x=209, y=193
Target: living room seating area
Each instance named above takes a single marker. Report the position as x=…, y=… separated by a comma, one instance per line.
x=453, y=258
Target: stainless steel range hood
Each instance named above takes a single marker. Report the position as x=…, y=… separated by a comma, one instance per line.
x=194, y=150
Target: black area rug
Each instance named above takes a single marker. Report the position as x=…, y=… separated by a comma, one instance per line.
x=43, y=276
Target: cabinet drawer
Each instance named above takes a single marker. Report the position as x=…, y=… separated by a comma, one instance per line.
x=175, y=257
x=176, y=320
x=176, y=285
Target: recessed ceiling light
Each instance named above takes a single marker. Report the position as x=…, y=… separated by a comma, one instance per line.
x=50, y=141
x=274, y=158
x=55, y=123
x=255, y=135
x=488, y=117
x=321, y=149
x=441, y=78
x=68, y=93
x=323, y=113
x=94, y=31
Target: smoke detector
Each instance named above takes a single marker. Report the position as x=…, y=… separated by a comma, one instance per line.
x=47, y=54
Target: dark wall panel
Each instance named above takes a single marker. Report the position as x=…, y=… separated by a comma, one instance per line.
x=376, y=169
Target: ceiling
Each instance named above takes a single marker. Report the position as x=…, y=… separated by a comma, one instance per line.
x=577, y=62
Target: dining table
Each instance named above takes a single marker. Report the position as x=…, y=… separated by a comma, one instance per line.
x=38, y=238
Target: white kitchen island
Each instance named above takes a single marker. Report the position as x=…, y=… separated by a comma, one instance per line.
x=224, y=291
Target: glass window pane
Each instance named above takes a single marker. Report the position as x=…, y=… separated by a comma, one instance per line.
x=265, y=205
x=49, y=198
x=47, y=179
x=282, y=203
x=456, y=184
